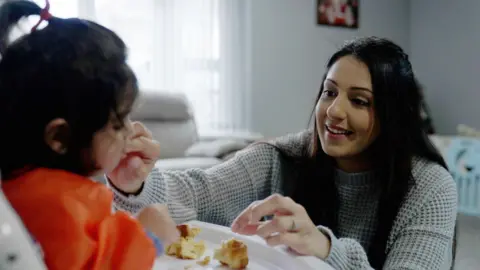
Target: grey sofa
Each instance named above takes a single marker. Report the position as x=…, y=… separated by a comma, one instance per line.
x=170, y=119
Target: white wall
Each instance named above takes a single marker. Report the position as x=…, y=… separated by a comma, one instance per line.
x=445, y=46
x=288, y=52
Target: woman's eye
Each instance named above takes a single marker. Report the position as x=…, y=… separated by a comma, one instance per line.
x=360, y=102
x=328, y=93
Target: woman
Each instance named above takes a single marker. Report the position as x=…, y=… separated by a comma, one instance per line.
x=365, y=174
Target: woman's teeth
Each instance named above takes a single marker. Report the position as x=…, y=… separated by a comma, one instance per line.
x=338, y=131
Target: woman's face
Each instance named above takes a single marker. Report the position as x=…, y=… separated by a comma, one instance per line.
x=345, y=116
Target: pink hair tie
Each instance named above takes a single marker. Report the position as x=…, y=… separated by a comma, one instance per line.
x=44, y=15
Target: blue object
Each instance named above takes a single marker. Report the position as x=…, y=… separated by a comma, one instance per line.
x=463, y=160
x=156, y=242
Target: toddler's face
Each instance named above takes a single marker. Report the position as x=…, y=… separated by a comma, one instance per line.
x=109, y=145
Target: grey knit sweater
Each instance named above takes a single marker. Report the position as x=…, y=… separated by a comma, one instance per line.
x=421, y=237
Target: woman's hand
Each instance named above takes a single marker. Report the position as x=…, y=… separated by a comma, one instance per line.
x=156, y=219
x=290, y=226
x=142, y=153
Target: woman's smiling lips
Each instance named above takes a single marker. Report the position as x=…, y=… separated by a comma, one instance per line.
x=336, y=132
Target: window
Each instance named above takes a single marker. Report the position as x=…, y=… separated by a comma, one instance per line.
x=191, y=46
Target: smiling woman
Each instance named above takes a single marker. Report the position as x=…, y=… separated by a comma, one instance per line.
x=346, y=121
x=364, y=188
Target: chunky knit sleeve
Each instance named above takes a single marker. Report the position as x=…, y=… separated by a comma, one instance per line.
x=425, y=240
x=422, y=235
x=215, y=195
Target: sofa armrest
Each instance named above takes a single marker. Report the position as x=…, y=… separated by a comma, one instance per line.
x=240, y=136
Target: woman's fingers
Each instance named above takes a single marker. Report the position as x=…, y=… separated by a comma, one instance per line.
x=139, y=130
x=142, y=143
x=239, y=225
x=255, y=212
x=305, y=242
x=280, y=224
x=144, y=147
x=292, y=240
x=136, y=168
x=274, y=204
x=141, y=154
x=249, y=229
x=290, y=226
x=129, y=174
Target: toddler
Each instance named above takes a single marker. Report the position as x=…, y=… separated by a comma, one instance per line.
x=65, y=96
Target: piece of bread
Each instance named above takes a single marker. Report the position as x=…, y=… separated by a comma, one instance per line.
x=187, y=231
x=205, y=261
x=186, y=248
x=233, y=253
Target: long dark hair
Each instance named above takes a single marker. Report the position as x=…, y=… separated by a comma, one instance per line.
x=72, y=69
x=397, y=100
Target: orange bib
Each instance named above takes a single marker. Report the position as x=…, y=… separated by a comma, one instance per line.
x=71, y=218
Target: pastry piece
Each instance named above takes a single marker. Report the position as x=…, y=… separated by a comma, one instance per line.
x=186, y=248
x=187, y=231
x=205, y=261
x=233, y=253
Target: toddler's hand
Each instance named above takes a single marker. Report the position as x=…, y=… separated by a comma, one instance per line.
x=156, y=219
x=157, y=243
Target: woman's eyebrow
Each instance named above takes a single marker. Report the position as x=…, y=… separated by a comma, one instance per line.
x=357, y=88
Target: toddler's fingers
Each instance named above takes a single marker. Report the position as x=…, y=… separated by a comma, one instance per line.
x=156, y=219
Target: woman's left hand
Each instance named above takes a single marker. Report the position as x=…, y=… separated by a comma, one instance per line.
x=290, y=226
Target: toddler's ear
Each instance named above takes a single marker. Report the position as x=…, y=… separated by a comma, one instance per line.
x=57, y=135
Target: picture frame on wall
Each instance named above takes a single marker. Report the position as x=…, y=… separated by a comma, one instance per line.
x=338, y=13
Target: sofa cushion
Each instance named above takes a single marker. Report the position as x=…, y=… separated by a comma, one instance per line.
x=162, y=106
x=174, y=137
x=169, y=117
x=217, y=148
x=186, y=163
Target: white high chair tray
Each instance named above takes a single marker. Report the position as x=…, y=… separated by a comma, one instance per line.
x=261, y=256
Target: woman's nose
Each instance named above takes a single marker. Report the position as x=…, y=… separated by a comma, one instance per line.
x=336, y=110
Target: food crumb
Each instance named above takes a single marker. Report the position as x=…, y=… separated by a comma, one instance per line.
x=205, y=261
x=188, y=267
